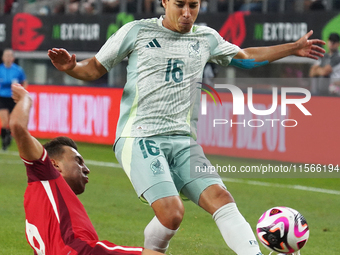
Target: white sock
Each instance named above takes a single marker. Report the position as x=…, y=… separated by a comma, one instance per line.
x=157, y=237
x=236, y=231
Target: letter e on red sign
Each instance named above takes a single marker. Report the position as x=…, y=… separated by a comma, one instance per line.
x=24, y=34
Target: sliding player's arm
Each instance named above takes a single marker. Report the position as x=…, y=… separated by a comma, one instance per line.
x=29, y=148
x=89, y=69
x=257, y=56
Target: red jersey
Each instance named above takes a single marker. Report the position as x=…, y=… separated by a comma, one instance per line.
x=56, y=220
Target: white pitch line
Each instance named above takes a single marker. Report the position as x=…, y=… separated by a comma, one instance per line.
x=8, y=161
x=88, y=162
x=100, y=163
x=248, y=182
x=11, y=153
x=278, y=185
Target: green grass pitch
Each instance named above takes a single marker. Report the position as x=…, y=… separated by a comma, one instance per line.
x=119, y=216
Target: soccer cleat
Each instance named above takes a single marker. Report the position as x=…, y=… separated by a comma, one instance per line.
x=4, y=146
x=9, y=139
x=6, y=141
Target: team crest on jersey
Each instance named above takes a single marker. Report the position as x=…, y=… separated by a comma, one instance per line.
x=157, y=167
x=194, y=49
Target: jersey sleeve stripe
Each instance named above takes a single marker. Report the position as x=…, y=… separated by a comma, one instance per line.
x=44, y=155
x=42, y=158
x=138, y=249
x=27, y=162
x=49, y=193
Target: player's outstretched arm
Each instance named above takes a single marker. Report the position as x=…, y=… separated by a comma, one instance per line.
x=88, y=69
x=29, y=148
x=304, y=47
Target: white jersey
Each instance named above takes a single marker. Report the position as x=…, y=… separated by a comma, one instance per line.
x=161, y=95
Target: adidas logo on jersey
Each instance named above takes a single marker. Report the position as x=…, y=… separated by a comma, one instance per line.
x=153, y=44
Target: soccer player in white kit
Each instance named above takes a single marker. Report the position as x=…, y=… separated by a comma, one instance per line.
x=155, y=140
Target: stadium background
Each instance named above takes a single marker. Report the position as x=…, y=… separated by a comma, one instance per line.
x=89, y=114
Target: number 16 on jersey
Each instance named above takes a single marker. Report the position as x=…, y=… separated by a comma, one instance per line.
x=174, y=70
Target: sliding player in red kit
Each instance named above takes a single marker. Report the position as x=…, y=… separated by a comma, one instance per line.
x=56, y=220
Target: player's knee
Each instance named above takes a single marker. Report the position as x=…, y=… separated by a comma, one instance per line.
x=224, y=195
x=174, y=215
x=177, y=216
x=214, y=197
x=169, y=211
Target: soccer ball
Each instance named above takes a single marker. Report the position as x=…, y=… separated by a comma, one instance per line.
x=283, y=230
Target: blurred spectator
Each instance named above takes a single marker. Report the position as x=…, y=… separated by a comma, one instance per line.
x=148, y=6
x=327, y=70
x=204, y=6
x=110, y=6
x=254, y=6
x=314, y=5
x=37, y=7
x=257, y=5
x=8, y=6
x=317, y=5
x=44, y=10
x=73, y=6
x=90, y=7
x=59, y=8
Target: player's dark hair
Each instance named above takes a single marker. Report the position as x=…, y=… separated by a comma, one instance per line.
x=55, y=148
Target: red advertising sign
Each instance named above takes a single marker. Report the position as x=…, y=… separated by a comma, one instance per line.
x=25, y=36
x=81, y=113
x=90, y=115
x=234, y=29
